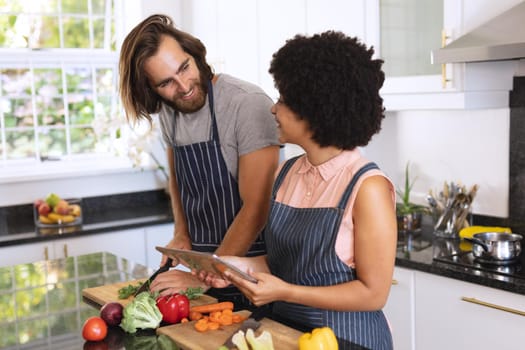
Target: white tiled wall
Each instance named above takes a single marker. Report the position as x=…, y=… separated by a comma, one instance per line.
x=471, y=147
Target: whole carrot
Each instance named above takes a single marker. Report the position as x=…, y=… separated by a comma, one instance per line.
x=208, y=308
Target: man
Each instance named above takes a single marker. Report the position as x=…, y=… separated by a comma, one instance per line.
x=222, y=144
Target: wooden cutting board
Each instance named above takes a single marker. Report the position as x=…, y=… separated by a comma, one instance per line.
x=98, y=296
x=186, y=337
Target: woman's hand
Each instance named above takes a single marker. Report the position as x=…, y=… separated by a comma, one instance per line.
x=267, y=289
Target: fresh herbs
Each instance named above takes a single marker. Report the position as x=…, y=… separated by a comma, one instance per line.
x=193, y=292
x=129, y=290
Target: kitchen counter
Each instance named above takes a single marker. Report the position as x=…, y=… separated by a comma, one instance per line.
x=42, y=307
x=41, y=303
x=424, y=252
x=417, y=251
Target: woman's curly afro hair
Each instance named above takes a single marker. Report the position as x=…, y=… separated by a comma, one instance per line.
x=331, y=81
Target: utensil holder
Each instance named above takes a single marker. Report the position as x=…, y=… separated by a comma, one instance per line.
x=452, y=220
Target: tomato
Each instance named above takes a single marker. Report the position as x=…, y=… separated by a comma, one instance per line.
x=94, y=329
x=173, y=307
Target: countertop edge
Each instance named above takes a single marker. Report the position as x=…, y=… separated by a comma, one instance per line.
x=463, y=274
x=86, y=230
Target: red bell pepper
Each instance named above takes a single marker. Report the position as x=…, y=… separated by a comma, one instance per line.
x=173, y=307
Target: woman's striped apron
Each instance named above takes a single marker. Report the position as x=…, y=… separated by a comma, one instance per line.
x=301, y=250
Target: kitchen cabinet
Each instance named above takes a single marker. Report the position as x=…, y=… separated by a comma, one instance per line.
x=419, y=85
x=399, y=309
x=406, y=34
x=158, y=235
x=404, y=45
x=427, y=311
x=278, y=21
x=444, y=321
x=25, y=253
x=126, y=243
x=241, y=35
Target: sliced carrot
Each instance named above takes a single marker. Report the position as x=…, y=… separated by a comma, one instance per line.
x=213, y=325
x=237, y=318
x=202, y=320
x=227, y=312
x=226, y=320
x=194, y=316
x=204, y=309
x=201, y=325
x=215, y=315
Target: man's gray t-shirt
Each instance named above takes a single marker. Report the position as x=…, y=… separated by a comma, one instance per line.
x=244, y=121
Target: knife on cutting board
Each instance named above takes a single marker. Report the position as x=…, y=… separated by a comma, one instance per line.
x=251, y=322
x=145, y=285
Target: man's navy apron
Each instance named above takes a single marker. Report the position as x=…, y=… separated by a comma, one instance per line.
x=210, y=197
x=301, y=250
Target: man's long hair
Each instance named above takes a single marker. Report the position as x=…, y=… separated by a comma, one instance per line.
x=138, y=98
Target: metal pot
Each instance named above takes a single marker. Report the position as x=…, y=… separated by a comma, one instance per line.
x=496, y=245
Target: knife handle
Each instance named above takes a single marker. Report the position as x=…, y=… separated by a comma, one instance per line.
x=167, y=265
x=163, y=268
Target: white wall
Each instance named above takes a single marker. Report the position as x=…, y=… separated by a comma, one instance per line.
x=468, y=147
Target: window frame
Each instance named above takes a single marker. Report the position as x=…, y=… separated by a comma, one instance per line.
x=34, y=168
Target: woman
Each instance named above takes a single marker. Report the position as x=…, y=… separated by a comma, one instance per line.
x=331, y=234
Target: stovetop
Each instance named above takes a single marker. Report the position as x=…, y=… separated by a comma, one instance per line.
x=514, y=268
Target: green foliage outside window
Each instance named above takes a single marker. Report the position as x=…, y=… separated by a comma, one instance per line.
x=48, y=105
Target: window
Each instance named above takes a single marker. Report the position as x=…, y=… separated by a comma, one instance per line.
x=58, y=74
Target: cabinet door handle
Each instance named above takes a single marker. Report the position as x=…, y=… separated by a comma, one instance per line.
x=494, y=306
x=46, y=253
x=444, y=79
x=65, y=250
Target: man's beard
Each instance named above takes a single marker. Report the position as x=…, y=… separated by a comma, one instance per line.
x=194, y=104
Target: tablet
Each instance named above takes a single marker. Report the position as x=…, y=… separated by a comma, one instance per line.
x=203, y=261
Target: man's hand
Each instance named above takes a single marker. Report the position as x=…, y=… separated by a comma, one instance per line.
x=181, y=240
x=175, y=281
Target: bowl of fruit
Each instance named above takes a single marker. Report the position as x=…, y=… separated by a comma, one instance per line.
x=54, y=211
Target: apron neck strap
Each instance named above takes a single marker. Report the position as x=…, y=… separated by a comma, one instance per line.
x=355, y=178
x=214, y=129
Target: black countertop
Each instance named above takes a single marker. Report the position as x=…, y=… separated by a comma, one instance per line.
x=104, y=214
x=99, y=215
x=425, y=252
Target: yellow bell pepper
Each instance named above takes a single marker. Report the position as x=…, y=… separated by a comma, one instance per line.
x=320, y=339
x=472, y=230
